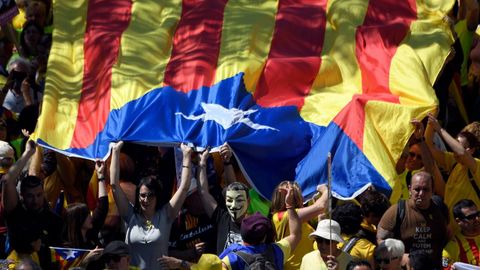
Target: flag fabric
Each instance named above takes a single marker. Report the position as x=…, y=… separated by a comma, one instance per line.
x=68, y=257
x=283, y=82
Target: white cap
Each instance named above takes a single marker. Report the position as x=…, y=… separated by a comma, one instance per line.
x=323, y=231
x=6, y=151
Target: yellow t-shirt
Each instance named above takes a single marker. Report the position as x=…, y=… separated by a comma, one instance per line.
x=15, y=259
x=459, y=187
x=280, y=221
x=313, y=260
x=363, y=249
x=461, y=249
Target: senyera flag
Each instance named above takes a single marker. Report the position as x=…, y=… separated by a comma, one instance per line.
x=283, y=82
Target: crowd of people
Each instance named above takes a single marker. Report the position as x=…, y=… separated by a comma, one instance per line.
x=174, y=208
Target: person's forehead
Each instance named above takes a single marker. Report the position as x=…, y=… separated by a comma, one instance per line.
x=415, y=148
x=469, y=210
x=420, y=181
x=236, y=193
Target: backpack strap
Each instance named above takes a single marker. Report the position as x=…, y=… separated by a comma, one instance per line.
x=349, y=245
x=248, y=259
x=399, y=218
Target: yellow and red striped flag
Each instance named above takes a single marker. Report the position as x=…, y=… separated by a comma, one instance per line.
x=283, y=82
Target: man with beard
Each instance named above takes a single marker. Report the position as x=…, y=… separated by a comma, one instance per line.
x=422, y=226
x=465, y=245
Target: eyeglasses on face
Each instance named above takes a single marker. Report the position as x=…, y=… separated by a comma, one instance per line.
x=472, y=216
x=147, y=195
x=415, y=155
x=385, y=260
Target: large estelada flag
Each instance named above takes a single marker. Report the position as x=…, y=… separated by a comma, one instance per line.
x=283, y=82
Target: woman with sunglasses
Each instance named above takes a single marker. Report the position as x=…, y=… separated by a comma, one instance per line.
x=148, y=221
x=464, y=175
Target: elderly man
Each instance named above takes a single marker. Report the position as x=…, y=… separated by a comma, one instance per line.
x=465, y=245
x=418, y=222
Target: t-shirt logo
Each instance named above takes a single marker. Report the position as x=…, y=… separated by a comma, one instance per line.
x=232, y=238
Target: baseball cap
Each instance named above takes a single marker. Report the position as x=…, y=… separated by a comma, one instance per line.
x=116, y=248
x=254, y=228
x=324, y=230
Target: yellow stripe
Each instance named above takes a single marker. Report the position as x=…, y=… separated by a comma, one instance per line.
x=145, y=50
x=246, y=37
x=413, y=70
x=339, y=77
x=64, y=76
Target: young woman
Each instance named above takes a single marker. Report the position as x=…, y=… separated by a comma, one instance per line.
x=279, y=214
x=81, y=228
x=148, y=221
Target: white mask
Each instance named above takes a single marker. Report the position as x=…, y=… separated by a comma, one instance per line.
x=236, y=202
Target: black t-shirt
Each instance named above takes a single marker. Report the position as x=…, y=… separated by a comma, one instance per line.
x=228, y=232
x=50, y=223
x=188, y=230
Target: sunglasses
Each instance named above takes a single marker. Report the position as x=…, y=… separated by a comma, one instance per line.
x=472, y=216
x=415, y=155
x=147, y=195
x=385, y=260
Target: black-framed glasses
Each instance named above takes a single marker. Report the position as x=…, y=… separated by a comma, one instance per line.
x=472, y=216
x=147, y=195
x=385, y=260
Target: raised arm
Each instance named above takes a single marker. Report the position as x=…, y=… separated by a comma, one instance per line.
x=464, y=157
x=294, y=222
x=318, y=207
x=10, y=196
x=100, y=170
x=209, y=203
x=438, y=154
x=120, y=198
x=178, y=198
x=427, y=158
x=228, y=171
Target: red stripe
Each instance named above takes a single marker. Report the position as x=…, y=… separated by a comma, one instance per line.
x=106, y=21
x=196, y=45
x=294, y=58
x=475, y=253
x=385, y=26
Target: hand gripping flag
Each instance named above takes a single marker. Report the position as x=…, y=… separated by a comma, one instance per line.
x=283, y=82
x=68, y=257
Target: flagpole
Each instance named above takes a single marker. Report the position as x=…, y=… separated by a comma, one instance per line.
x=329, y=186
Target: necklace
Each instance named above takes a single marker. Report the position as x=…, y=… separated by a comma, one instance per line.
x=148, y=224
